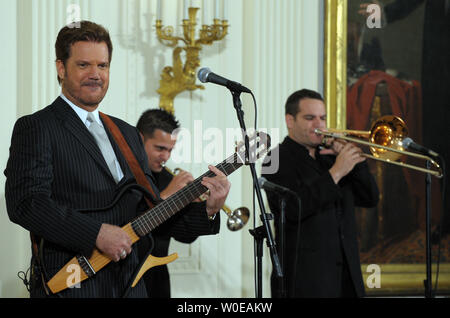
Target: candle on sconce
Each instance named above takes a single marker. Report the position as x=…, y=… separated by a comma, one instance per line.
x=186, y=10
x=225, y=10
x=159, y=10
x=204, y=12
x=216, y=10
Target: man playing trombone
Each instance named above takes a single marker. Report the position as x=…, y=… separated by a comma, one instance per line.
x=321, y=256
x=156, y=127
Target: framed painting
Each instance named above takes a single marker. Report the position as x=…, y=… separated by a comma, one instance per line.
x=391, y=58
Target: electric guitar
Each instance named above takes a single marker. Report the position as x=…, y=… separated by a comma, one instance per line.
x=259, y=145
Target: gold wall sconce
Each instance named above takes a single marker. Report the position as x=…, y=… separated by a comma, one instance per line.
x=180, y=77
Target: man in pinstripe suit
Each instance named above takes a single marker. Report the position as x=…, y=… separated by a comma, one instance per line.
x=58, y=180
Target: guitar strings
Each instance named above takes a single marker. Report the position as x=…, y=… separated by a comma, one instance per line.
x=148, y=221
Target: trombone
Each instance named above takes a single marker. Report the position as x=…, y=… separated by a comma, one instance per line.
x=236, y=219
x=385, y=140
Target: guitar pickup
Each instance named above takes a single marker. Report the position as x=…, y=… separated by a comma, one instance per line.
x=86, y=266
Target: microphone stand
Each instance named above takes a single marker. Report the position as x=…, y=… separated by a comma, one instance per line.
x=428, y=281
x=283, y=293
x=264, y=231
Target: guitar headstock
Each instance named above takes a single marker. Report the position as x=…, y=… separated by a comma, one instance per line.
x=259, y=145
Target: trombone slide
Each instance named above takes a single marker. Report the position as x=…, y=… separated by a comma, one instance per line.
x=338, y=135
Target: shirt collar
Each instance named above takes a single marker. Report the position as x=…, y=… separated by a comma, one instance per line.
x=81, y=112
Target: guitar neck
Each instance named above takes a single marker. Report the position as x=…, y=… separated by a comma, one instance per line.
x=163, y=211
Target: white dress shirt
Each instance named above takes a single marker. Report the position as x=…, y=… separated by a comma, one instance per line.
x=83, y=116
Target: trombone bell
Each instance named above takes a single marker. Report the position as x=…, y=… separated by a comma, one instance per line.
x=388, y=131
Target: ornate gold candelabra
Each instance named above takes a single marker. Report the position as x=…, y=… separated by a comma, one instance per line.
x=178, y=77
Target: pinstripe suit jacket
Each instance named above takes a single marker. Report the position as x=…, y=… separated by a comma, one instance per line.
x=57, y=178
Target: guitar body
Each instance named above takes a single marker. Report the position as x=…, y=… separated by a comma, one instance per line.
x=68, y=276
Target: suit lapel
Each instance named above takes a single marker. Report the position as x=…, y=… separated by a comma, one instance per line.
x=73, y=124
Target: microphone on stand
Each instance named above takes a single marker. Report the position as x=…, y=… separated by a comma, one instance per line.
x=408, y=143
x=205, y=75
x=270, y=186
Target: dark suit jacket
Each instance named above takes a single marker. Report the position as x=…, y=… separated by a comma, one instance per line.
x=54, y=171
x=157, y=279
x=313, y=264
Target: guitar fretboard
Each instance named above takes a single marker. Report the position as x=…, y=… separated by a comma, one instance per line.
x=163, y=211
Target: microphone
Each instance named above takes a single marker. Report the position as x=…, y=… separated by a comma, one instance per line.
x=270, y=186
x=205, y=75
x=408, y=143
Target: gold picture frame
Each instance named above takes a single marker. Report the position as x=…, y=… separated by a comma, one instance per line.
x=335, y=55
x=395, y=279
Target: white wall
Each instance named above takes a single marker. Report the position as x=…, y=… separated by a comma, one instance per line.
x=13, y=247
x=273, y=47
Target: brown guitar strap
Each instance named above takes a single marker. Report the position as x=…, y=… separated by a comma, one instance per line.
x=149, y=261
x=129, y=156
